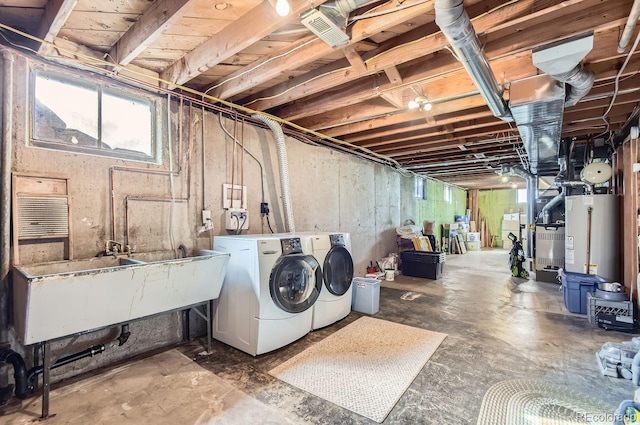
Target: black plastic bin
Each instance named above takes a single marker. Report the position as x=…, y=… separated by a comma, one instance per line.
x=429, y=265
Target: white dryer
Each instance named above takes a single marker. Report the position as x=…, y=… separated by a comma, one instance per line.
x=333, y=251
x=266, y=298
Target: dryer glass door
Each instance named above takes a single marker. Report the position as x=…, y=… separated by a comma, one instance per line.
x=338, y=270
x=295, y=282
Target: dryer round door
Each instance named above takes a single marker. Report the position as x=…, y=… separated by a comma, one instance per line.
x=338, y=270
x=295, y=282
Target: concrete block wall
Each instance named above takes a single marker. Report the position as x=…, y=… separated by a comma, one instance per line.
x=331, y=191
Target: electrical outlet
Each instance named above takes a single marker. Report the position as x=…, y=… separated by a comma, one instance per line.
x=206, y=216
x=236, y=219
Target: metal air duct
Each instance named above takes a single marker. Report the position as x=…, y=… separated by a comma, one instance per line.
x=455, y=24
x=537, y=105
x=329, y=21
x=562, y=62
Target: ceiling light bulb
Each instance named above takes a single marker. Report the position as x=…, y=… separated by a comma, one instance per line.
x=427, y=106
x=504, y=179
x=413, y=104
x=282, y=7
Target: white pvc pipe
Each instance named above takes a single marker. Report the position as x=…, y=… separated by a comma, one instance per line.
x=629, y=27
x=5, y=189
x=284, y=171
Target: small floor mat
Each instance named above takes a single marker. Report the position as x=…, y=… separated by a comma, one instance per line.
x=364, y=367
x=533, y=402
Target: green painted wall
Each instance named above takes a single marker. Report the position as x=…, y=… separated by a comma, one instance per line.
x=434, y=208
x=492, y=205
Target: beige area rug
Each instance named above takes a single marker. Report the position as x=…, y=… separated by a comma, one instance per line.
x=364, y=367
x=168, y=388
x=531, y=402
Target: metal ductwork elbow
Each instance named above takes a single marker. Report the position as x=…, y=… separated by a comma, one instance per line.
x=561, y=61
x=455, y=24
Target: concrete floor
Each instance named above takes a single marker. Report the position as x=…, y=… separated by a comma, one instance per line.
x=498, y=328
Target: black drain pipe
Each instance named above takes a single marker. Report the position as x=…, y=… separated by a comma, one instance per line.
x=7, y=355
x=24, y=380
x=89, y=352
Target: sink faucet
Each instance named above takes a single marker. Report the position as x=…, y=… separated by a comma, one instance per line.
x=112, y=247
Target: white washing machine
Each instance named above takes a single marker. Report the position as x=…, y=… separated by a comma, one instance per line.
x=333, y=251
x=266, y=300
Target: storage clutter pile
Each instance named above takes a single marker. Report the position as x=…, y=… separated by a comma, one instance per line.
x=461, y=236
x=605, y=303
x=511, y=223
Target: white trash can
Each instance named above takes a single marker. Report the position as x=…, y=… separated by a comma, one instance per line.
x=366, y=295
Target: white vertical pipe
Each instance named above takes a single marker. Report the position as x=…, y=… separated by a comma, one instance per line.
x=5, y=189
x=629, y=27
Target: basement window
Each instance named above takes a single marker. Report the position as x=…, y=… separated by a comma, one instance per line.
x=420, y=188
x=92, y=117
x=521, y=196
x=447, y=195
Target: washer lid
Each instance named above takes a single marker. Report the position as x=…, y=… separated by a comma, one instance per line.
x=338, y=270
x=295, y=282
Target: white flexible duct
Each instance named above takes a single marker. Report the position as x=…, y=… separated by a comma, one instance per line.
x=629, y=27
x=283, y=162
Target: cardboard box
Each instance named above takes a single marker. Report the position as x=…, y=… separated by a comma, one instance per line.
x=473, y=236
x=511, y=225
x=473, y=245
x=507, y=244
x=512, y=216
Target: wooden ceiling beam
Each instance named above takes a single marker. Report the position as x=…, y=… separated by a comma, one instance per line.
x=486, y=24
x=251, y=75
x=56, y=13
x=416, y=125
x=151, y=25
x=355, y=59
x=417, y=131
x=256, y=24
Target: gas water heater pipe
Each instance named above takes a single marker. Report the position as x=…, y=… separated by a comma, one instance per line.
x=284, y=170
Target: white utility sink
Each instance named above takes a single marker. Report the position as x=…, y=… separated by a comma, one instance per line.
x=57, y=299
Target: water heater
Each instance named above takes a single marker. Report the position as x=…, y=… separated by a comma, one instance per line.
x=592, y=231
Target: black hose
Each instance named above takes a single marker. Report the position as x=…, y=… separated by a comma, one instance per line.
x=7, y=355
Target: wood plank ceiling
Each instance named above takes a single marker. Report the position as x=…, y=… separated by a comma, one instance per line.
x=243, y=52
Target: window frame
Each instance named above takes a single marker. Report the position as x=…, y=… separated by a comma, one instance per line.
x=101, y=85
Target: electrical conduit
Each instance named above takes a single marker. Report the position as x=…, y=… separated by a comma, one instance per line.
x=284, y=170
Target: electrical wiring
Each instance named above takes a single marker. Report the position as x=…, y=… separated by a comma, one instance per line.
x=617, y=84
x=262, y=176
x=76, y=57
x=312, y=40
x=367, y=61
x=368, y=15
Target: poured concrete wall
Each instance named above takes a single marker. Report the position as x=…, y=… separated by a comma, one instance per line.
x=331, y=191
